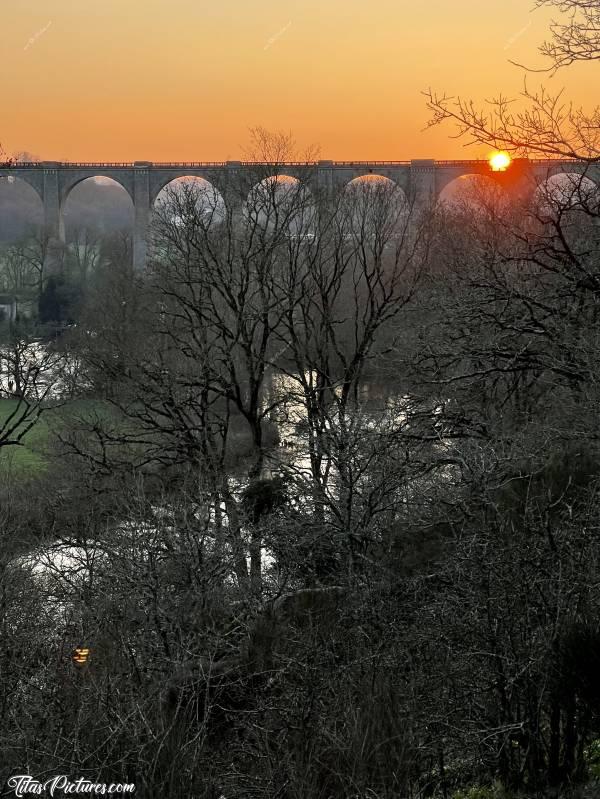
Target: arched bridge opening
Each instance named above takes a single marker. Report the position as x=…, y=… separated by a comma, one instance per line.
x=372, y=203
x=21, y=210
x=190, y=200
x=563, y=192
x=280, y=203
x=97, y=216
x=473, y=192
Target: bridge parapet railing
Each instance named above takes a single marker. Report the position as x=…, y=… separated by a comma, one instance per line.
x=185, y=164
x=532, y=161
x=540, y=162
x=20, y=165
x=208, y=164
x=463, y=162
x=362, y=164
x=559, y=162
x=278, y=164
x=93, y=165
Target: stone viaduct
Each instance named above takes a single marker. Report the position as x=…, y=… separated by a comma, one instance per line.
x=420, y=180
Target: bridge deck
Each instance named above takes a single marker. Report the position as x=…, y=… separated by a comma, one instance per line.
x=219, y=164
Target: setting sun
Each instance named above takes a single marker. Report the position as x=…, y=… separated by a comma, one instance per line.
x=500, y=161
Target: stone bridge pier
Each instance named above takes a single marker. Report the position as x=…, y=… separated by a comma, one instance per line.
x=142, y=211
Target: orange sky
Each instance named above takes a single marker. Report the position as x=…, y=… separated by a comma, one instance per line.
x=186, y=79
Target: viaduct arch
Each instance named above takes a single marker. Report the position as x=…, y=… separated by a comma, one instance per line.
x=420, y=180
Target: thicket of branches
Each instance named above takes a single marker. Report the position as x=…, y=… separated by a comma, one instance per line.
x=330, y=526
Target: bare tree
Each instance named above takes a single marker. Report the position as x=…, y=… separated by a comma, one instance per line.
x=33, y=376
x=303, y=285
x=546, y=123
x=17, y=272
x=577, y=38
x=35, y=250
x=83, y=253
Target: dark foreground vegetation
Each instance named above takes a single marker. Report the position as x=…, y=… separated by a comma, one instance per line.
x=320, y=497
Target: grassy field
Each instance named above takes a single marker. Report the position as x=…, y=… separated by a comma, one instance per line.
x=28, y=458
x=31, y=457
